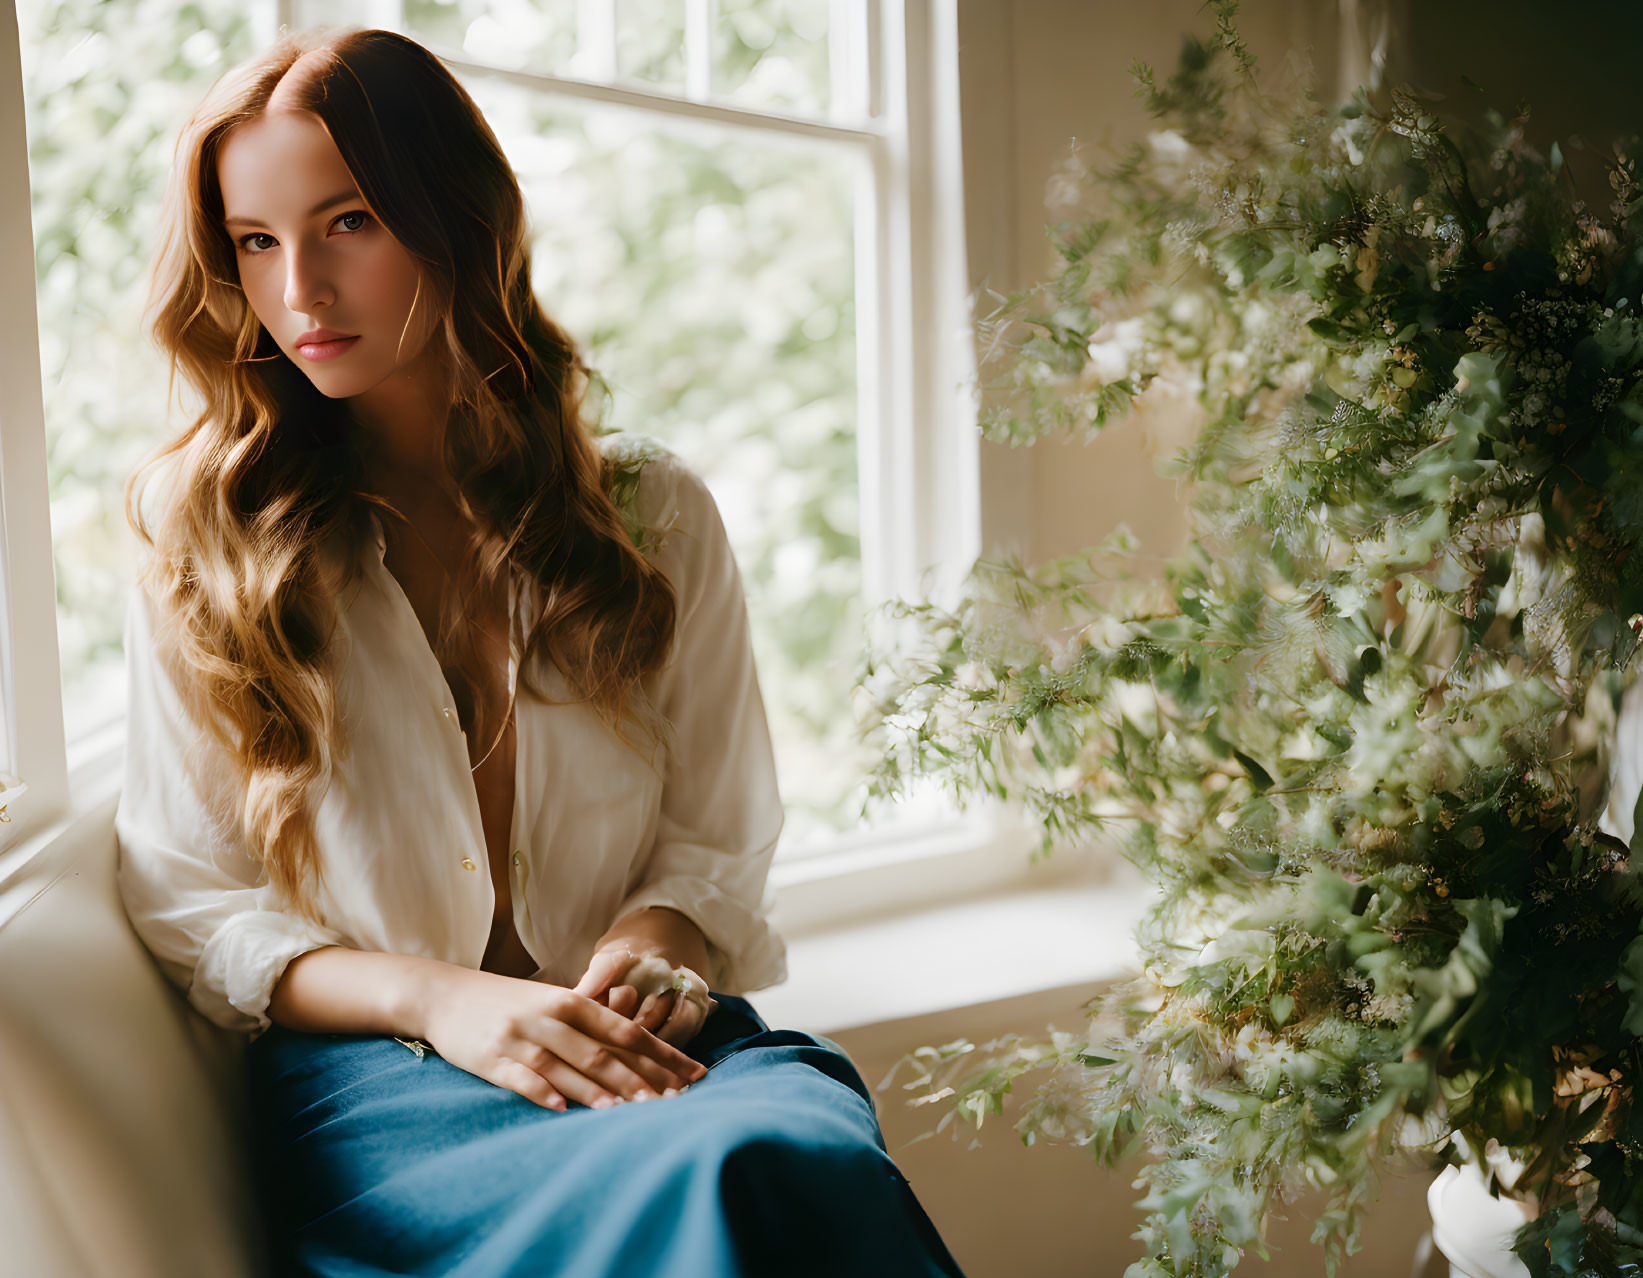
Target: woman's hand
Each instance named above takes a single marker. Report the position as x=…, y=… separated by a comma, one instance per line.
x=548, y=1043
x=656, y=932
x=673, y=1016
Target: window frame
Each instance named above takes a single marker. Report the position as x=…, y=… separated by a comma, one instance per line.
x=33, y=763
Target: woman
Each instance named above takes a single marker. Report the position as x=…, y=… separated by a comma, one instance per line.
x=405, y=622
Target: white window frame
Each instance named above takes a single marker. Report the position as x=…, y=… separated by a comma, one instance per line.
x=896, y=104
x=33, y=765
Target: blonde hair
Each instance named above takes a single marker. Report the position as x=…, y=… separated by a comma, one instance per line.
x=267, y=481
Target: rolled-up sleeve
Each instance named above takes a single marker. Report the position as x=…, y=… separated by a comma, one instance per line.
x=197, y=898
x=721, y=811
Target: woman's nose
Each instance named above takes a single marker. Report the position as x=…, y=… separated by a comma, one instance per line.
x=307, y=281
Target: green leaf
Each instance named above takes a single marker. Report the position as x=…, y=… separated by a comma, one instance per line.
x=1630, y=982
x=1333, y=334
x=1261, y=778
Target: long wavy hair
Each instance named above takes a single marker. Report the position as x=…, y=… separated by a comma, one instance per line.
x=267, y=482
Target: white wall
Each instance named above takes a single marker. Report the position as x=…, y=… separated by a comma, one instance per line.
x=1034, y=75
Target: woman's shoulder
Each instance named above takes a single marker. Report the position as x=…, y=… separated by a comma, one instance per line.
x=657, y=493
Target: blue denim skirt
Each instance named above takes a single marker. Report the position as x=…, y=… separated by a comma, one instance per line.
x=373, y=1161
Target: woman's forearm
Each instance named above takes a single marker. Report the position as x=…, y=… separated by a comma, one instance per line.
x=662, y=931
x=337, y=990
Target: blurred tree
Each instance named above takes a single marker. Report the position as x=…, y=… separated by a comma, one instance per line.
x=107, y=87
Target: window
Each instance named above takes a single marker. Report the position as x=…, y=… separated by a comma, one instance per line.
x=744, y=210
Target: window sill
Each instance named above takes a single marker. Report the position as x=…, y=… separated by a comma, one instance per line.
x=1058, y=926
x=94, y=776
x=964, y=856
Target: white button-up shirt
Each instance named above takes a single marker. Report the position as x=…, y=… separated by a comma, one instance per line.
x=599, y=829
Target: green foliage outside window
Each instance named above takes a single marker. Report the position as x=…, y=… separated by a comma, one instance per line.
x=766, y=55
x=107, y=87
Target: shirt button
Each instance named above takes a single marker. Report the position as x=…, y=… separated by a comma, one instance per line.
x=516, y=858
x=448, y=713
x=468, y=863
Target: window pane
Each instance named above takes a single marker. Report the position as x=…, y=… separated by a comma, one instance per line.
x=107, y=87
x=771, y=55
x=521, y=35
x=767, y=55
x=710, y=277
x=650, y=43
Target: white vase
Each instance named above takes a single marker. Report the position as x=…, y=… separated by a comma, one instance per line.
x=1472, y=1229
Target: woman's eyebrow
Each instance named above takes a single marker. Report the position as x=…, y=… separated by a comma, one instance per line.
x=340, y=198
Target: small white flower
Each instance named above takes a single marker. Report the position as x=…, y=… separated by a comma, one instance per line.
x=1345, y=137
x=1109, y=633
x=1168, y=144
x=1113, y=350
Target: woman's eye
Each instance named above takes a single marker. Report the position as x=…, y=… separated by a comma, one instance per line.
x=352, y=221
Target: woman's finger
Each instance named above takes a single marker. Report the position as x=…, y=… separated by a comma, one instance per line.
x=675, y=1019
x=685, y=1023
x=576, y=1086
x=629, y=1075
x=606, y=1027
x=586, y=1069
x=605, y=968
x=529, y=1084
x=600, y=1057
x=623, y=1000
x=660, y=1007
x=693, y=1003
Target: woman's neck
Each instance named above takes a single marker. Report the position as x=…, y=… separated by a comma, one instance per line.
x=401, y=432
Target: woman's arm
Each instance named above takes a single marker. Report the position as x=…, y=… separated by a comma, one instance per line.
x=701, y=900
x=721, y=811
x=659, y=930
x=543, y=1041
x=337, y=990
x=196, y=896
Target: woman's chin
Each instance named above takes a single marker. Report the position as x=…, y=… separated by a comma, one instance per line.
x=338, y=385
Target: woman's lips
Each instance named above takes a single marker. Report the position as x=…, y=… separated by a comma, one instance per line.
x=321, y=351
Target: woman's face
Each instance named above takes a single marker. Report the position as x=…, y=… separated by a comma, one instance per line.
x=332, y=287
